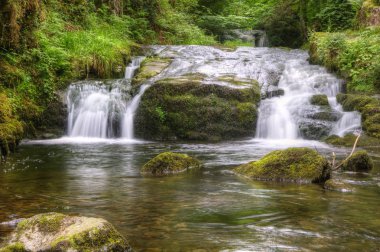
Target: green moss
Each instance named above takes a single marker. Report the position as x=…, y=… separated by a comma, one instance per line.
x=170, y=163
x=105, y=237
x=14, y=247
x=196, y=111
x=319, y=100
x=48, y=223
x=301, y=165
x=360, y=161
x=150, y=67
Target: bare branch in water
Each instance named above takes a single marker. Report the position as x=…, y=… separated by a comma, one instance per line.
x=352, y=152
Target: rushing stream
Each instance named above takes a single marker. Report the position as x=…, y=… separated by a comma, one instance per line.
x=95, y=170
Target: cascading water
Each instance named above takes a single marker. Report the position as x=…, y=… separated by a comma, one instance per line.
x=99, y=108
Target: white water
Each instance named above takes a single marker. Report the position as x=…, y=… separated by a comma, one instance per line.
x=98, y=110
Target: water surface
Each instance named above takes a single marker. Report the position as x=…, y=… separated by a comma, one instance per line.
x=213, y=210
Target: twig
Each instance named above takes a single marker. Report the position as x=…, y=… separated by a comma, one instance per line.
x=352, y=152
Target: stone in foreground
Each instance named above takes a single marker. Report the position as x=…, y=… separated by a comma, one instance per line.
x=360, y=161
x=299, y=165
x=59, y=232
x=170, y=163
x=337, y=185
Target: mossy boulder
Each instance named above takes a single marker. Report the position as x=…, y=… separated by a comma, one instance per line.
x=58, y=232
x=319, y=100
x=314, y=129
x=186, y=108
x=299, y=165
x=150, y=67
x=170, y=163
x=337, y=185
x=368, y=106
x=360, y=161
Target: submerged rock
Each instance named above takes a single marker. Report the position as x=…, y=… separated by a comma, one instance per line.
x=59, y=232
x=189, y=107
x=300, y=165
x=319, y=100
x=337, y=185
x=170, y=163
x=360, y=161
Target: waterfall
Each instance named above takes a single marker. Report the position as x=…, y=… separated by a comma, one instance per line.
x=105, y=109
x=100, y=109
x=128, y=120
x=262, y=40
x=281, y=117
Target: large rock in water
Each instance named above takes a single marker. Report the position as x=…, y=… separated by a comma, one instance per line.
x=59, y=232
x=170, y=163
x=188, y=108
x=300, y=165
x=360, y=161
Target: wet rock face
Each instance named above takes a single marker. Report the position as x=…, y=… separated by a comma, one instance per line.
x=299, y=165
x=186, y=107
x=170, y=163
x=58, y=232
x=319, y=100
x=360, y=161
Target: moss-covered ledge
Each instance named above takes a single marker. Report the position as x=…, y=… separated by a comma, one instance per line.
x=149, y=68
x=187, y=108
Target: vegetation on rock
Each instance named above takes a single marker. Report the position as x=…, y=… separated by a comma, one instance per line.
x=185, y=108
x=349, y=140
x=319, y=100
x=360, y=161
x=170, y=163
x=58, y=232
x=300, y=165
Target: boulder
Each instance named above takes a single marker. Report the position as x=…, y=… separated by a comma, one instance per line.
x=299, y=165
x=314, y=129
x=319, y=100
x=59, y=232
x=337, y=185
x=187, y=108
x=360, y=161
x=170, y=163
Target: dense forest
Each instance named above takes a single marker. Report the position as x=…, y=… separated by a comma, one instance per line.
x=46, y=44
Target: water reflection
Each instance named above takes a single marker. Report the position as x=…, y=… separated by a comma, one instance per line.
x=223, y=211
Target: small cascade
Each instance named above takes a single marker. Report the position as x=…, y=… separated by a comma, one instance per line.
x=130, y=70
x=262, y=40
x=282, y=117
x=99, y=108
x=96, y=108
x=128, y=120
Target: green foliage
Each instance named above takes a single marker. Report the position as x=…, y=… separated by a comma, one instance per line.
x=336, y=16
x=355, y=55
